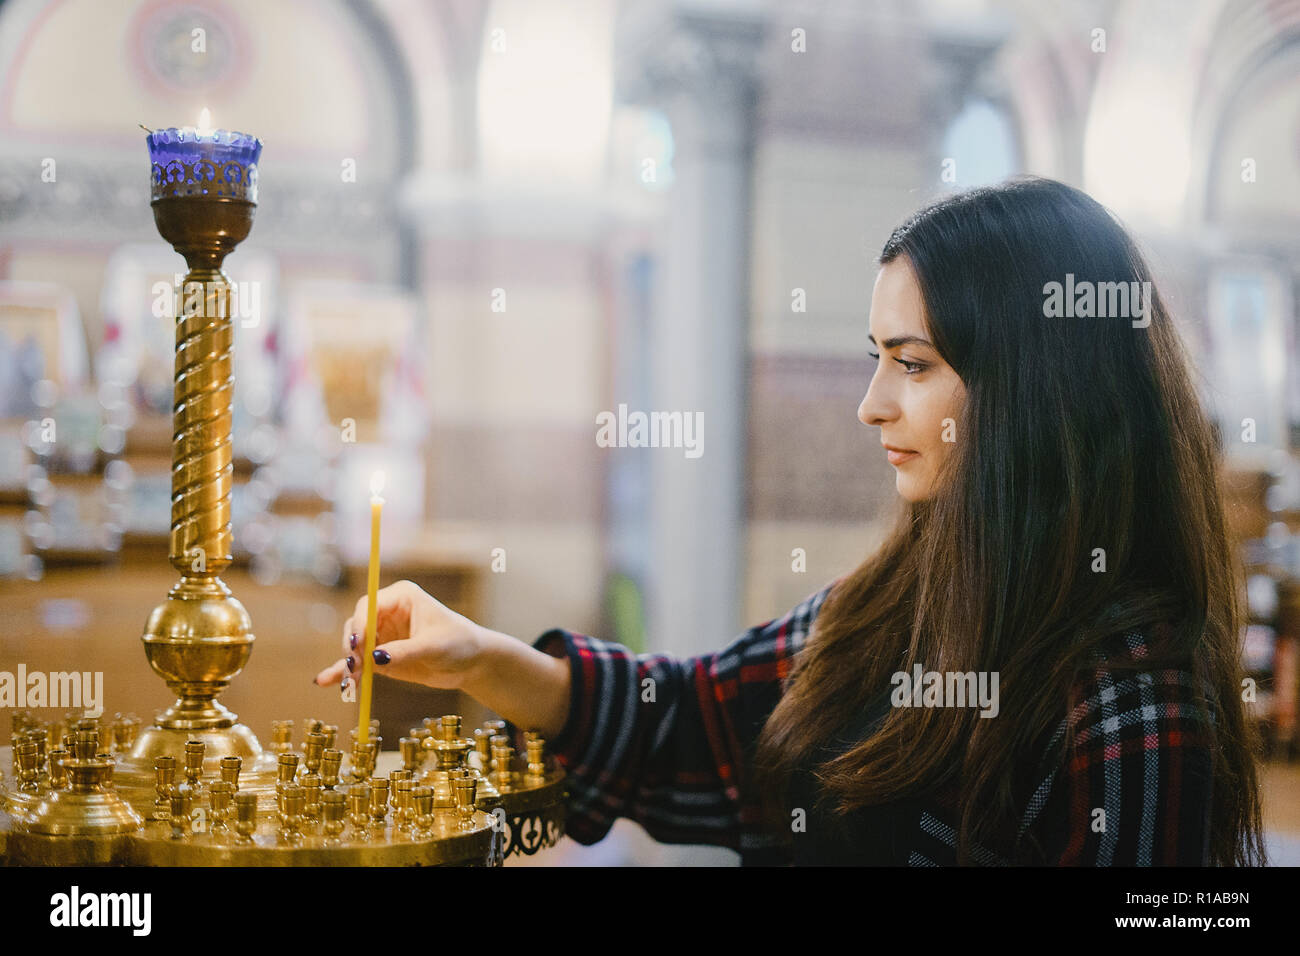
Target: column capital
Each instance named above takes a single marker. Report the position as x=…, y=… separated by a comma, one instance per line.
x=704, y=51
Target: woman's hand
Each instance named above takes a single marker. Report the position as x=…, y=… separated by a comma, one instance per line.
x=421, y=640
x=417, y=639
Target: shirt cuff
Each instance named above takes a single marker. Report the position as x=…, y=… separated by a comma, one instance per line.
x=566, y=745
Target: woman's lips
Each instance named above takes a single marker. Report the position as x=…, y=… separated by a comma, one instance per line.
x=899, y=457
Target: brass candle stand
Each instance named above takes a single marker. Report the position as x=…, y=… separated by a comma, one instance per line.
x=200, y=636
x=196, y=788
x=452, y=801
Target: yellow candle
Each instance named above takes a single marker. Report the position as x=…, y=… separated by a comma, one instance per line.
x=372, y=608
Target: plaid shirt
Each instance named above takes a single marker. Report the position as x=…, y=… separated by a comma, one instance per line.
x=663, y=741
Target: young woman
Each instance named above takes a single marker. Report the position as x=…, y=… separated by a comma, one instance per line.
x=1040, y=665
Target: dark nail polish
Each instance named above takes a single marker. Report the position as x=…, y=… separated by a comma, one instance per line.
x=352, y=641
x=382, y=657
x=352, y=664
x=344, y=685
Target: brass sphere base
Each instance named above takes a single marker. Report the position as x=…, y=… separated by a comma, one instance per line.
x=197, y=640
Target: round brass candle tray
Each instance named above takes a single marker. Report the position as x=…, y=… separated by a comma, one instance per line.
x=447, y=800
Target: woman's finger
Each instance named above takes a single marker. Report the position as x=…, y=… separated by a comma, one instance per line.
x=396, y=659
x=352, y=638
x=332, y=674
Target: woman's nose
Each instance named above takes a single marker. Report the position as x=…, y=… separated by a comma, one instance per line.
x=876, y=408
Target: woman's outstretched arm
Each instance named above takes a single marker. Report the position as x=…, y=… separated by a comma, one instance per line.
x=659, y=740
x=664, y=741
x=525, y=686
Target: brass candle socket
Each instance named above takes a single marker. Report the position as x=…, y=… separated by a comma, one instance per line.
x=402, y=806
x=355, y=734
x=371, y=750
x=164, y=782
x=412, y=755
x=220, y=795
x=331, y=760
x=422, y=812
x=286, y=771
x=194, y=750
x=312, y=791
x=535, y=746
x=182, y=804
x=37, y=735
x=313, y=750
x=502, y=753
x=359, y=772
x=378, y=802
x=483, y=746
x=465, y=791
x=281, y=736
x=246, y=815
x=333, y=810
x=58, y=773
x=126, y=727
x=393, y=777
x=449, y=726
x=292, y=799
x=29, y=768
x=360, y=797
x=230, y=767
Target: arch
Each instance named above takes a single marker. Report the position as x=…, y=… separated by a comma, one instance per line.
x=1255, y=40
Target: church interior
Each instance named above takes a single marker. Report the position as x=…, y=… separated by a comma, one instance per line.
x=483, y=227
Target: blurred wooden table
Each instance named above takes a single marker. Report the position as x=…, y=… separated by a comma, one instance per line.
x=91, y=619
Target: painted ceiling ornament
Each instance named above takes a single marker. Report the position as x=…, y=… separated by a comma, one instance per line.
x=188, y=47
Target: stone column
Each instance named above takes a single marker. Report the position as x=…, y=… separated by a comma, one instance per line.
x=699, y=65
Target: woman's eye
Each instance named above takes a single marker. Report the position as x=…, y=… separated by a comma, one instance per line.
x=913, y=368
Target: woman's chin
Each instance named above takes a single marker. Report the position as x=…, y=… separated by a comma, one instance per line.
x=909, y=487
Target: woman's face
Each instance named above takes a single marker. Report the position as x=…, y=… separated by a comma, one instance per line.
x=913, y=390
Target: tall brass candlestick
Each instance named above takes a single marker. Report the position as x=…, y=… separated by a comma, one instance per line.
x=204, y=196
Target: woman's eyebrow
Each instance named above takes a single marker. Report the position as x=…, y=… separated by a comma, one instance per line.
x=898, y=340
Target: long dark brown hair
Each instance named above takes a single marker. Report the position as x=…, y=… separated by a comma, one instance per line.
x=1077, y=433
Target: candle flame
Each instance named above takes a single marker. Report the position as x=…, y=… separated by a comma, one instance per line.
x=377, y=483
x=205, y=122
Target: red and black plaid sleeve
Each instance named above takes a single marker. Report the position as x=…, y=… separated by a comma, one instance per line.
x=1135, y=789
x=662, y=741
